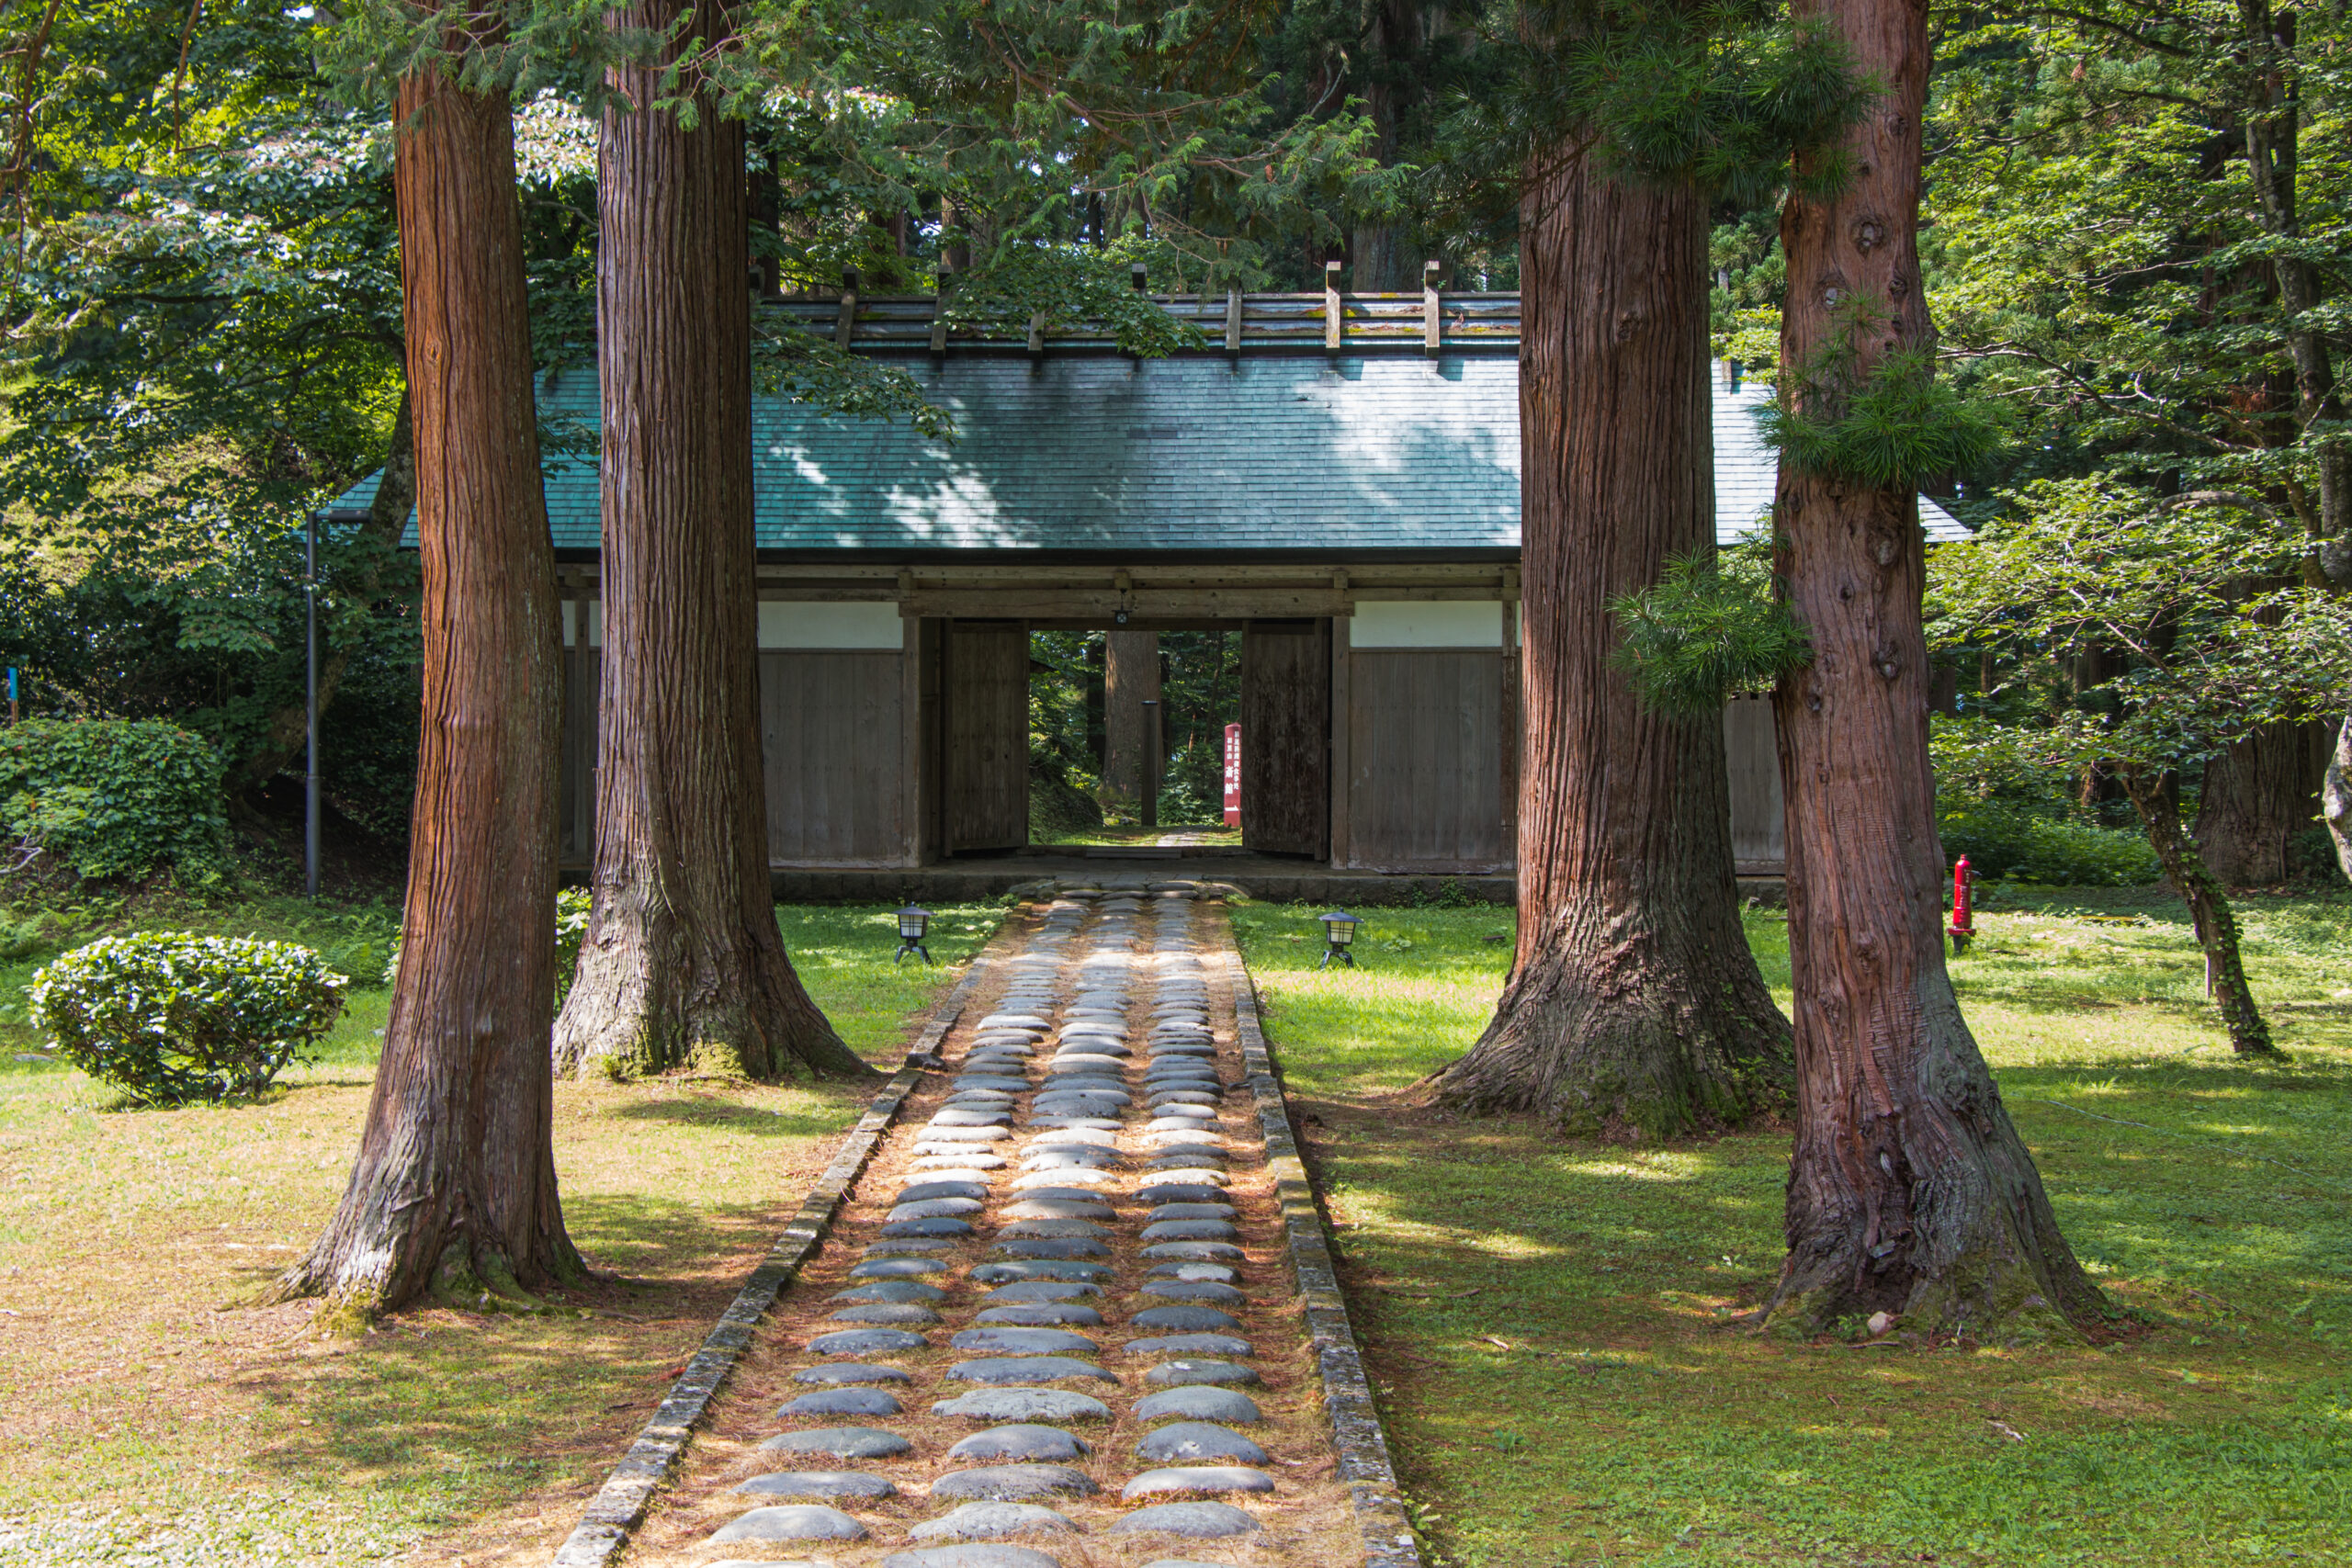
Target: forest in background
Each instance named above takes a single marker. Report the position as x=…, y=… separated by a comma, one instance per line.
x=2134, y=232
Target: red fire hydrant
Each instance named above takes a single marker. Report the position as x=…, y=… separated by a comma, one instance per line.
x=1963, y=911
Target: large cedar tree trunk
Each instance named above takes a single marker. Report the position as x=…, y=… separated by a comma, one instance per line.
x=1634, y=1006
x=1909, y=1191
x=2258, y=798
x=454, y=1190
x=681, y=954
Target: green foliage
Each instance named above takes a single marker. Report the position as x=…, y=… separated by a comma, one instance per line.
x=112, y=798
x=2018, y=845
x=168, y=1017
x=572, y=908
x=1709, y=629
x=1892, y=427
x=1979, y=760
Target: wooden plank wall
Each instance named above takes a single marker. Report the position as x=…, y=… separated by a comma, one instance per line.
x=1285, y=736
x=830, y=723
x=985, y=801
x=1758, y=829
x=1430, y=734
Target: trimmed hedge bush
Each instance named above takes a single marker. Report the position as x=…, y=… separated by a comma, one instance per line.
x=115, y=798
x=170, y=1017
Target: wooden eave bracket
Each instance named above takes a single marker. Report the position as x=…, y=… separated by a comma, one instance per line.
x=1333, y=330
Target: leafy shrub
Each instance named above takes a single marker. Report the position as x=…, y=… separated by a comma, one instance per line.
x=2006, y=842
x=571, y=907
x=170, y=1017
x=115, y=798
x=1979, y=759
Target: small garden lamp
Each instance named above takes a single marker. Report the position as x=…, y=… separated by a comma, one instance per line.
x=1339, y=938
x=911, y=924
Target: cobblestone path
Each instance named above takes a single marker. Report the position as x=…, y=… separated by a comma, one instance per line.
x=1053, y=1327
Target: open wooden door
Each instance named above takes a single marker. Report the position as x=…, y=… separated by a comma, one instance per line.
x=1286, y=736
x=985, y=804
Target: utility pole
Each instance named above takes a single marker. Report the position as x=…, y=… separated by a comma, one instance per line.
x=311, y=706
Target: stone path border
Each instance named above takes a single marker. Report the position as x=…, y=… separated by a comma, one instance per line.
x=620, y=1503
x=1356, y=1432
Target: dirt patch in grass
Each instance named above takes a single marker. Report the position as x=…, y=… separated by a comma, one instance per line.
x=150, y=1417
x=1553, y=1324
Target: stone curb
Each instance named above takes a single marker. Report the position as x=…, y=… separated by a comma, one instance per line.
x=620, y=1504
x=1356, y=1432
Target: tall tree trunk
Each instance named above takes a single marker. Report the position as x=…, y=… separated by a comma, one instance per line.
x=682, y=954
x=2209, y=915
x=454, y=1190
x=377, y=541
x=1909, y=1191
x=1634, y=1006
x=2273, y=164
x=1130, y=679
x=2335, y=797
x=1377, y=262
x=2258, y=798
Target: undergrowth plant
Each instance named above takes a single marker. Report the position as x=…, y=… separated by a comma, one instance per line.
x=168, y=1017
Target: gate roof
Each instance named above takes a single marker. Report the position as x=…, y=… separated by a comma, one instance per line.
x=1280, y=448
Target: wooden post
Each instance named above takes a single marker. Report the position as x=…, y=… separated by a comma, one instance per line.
x=911, y=795
x=1432, y=311
x=1037, y=335
x=1342, y=763
x=1233, y=322
x=1332, y=317
x=939, y=310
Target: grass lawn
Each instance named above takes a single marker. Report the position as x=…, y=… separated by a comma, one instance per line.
x=151, y=1420
x=1548, y=1320
x=1191, y=833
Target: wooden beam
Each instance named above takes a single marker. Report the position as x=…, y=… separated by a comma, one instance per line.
x=1432, y=311
x=1101, y=605
x=1343, y=758
x=1332, y=311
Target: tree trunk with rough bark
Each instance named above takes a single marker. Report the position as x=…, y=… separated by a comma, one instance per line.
x=1635, y=1006
x=2335, y=797
x=2210, y=914
x=454, y=1190
x=1130, y=679
x=1377, y=262
x=2257, y=798
x=682, y=957
x=1909, y=1191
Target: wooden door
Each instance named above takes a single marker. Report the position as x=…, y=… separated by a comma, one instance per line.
x=831, y=742
x=986, y=803
x=1285, y=736
x=1430, y=785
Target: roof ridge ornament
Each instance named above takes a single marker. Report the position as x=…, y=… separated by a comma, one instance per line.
x=1332, y=334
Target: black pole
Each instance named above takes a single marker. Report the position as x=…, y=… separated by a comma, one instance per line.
x=311, y=706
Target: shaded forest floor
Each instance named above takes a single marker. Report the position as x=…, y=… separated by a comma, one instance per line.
x=1550, y=1321
x=151, y=1418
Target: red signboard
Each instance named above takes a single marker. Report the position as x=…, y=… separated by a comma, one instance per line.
x=1233, y=775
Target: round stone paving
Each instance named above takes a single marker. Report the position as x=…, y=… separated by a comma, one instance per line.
x=990, y=1521
x=1026, y=1404
x=804, y=1521
x=818, y=1484
x=1201, y=1521
x=1013, y=1483
x=841, y=1442
x=1022, y=1440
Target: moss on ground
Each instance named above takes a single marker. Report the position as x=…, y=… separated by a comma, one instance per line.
x=1550, y=1321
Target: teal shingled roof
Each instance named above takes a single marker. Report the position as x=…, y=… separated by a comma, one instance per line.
x=1104, y=455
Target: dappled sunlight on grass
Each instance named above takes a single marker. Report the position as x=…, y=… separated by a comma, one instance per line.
x=1553, y=1324
x=147, y=1400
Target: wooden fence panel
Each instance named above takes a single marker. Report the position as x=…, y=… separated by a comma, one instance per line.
x=831, y=742
x=1430, y=739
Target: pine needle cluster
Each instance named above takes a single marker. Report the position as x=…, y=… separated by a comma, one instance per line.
x=1703, y=633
